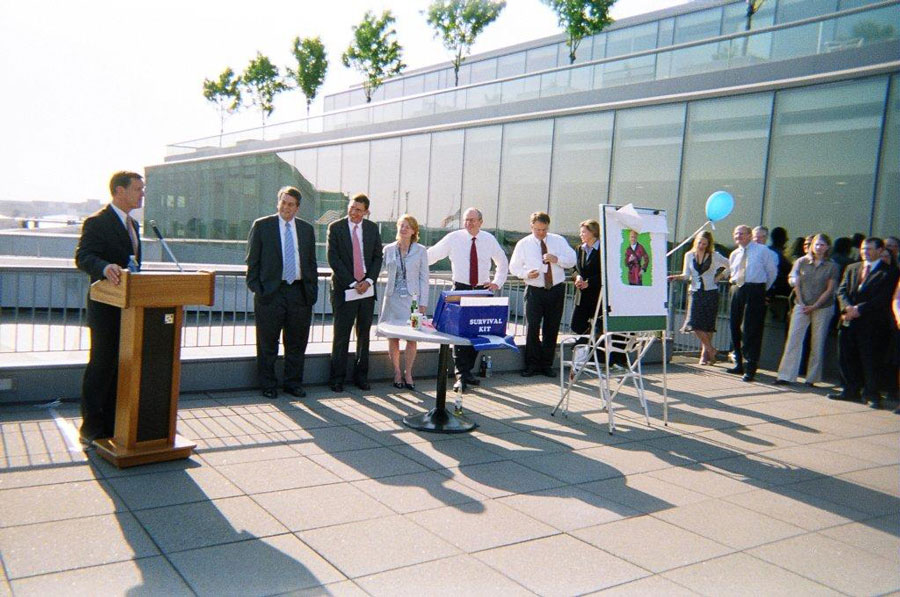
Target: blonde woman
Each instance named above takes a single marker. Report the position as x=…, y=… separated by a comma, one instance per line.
x=702, y=266
x=406, y=262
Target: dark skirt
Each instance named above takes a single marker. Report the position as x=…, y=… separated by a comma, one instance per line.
x=703, y=310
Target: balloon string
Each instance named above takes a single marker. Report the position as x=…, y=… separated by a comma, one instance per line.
x=688, y=239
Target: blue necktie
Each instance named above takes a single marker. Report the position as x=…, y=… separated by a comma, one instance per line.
x=290, y=265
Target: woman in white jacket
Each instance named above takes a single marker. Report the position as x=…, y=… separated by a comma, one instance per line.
x=406, y=262
x=702, y=269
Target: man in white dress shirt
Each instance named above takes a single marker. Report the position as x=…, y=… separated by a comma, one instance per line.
x=541, y=259
x=471, y=251
x=753, y=271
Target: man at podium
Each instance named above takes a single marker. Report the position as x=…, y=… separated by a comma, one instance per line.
x=110, y=242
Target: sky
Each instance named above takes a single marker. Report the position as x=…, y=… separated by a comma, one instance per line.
x=94, y=87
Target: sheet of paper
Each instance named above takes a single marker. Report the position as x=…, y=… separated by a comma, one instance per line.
x=351, y=295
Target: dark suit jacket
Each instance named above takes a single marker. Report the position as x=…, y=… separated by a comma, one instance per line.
x=873, y=298
x=264, y=257
x=339, y=248
x=104, y=240
x=589, y=270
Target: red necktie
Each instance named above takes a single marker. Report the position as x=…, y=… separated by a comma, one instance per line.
x=548, y=275
x=473, y=265
x=358, y=271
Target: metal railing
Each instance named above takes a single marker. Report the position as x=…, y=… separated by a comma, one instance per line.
x=764, y=45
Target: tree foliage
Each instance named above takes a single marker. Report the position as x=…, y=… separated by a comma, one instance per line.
x=459, y=22
x=225, y=93
x=312, y=64
x=580, y=18
x=374, y=51
x=261, y=82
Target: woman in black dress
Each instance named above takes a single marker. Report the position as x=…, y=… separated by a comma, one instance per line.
x=702, y=265
x=587, y=277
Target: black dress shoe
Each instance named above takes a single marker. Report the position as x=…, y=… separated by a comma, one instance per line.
x=735, y=370
x=548, y=372
x=410, y=386
x=295, y=391
x=399, y=385
x=363, y=385
x=337, y=387
x=843, y=396
x=782, y=382
x=270, y=393
x=874, y=402
x=748, y=377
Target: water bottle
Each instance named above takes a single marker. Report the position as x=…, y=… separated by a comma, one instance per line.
x=414, y=314
x=490, y=365
x=132, y=264
x=457, y=403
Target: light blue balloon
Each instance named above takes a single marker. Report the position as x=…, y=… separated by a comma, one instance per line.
x=719, y=205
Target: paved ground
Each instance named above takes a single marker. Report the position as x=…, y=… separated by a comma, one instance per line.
x=751, y=489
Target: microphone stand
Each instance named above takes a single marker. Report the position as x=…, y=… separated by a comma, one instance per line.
x=165, y=245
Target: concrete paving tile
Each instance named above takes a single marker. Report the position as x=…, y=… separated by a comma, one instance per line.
x=257, y=567
x=800, y=509
x=692, y=447
x=728, y=523
x=568, y=508
x=277, y=475
x=742, y=440
x=448, y=454
x=372, y=546
x=760, y=470
x=644, y=492
x=333, y=439
x=451, y=577
x=651, y=543
x=175, y=487
x=575, y=438
x=418, y=491
x=850, y=494
x=570, y=467
x=108, y=471
x=325, y=505
x=367, y=464
x=835, y=564
x=577, y=567
x=865, y=450
x=247, y=454
x=516, y=444
x=143, y=577
x=649, y=585
x=346, y=588
x=880, y=536
x=634, y=457
x=883, y=478
x=76, y=543
x=739, y=574
x=395, y=433
x=475, y=526
x=801, y=433
x=890, y=440
x=201, y=524
x=497, y=479
x=818, y=460
x=26, y=505
x=49, y=475
x=703, y=479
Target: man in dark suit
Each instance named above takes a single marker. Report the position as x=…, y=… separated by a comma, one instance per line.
x=864, y=297
x=354, y=255
x=282, y=273
x=110, y=241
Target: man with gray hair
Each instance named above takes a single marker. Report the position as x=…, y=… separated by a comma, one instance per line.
x=753, y=270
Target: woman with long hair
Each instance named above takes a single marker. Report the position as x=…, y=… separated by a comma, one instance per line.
x=702, y=267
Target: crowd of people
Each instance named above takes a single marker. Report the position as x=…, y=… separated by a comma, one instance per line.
x=855, y=281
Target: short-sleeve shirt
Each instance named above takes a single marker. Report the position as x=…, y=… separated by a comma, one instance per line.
x=811, y=279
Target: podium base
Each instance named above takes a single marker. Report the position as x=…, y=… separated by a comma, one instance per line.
x=123, y=458
x=440, y=420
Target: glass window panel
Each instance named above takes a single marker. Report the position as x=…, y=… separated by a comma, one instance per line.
x=413, y=85
x=481, y=172
x=414, y=175
x=384, y=159
x=726, y=142
x=357, y=97
x=524, y=88
x=666, y=33
x=387, y=112
x=355, y=168
x=647, y=158
x=511, y=65
x=631, y=39
x=794, y=10
x=580, y=176
x=393, y=89
x=432, y=82
x=445, y=181
x=694, y=26
x=599, y=50
x=823, y=155
x=699, y=59
x=865, y=28
x=420, y=106
x=540, y=58
x=583, y=52
x=329, y=103
x=329, y=168
x=465, y=72
x=483, y=70
x=378, y=94
x=525, y=173
x=735, y=18
x=887, y=204
x=305, y=162
x=341, y=101
x=482, y=95
x=626, y=72
x=450, y=100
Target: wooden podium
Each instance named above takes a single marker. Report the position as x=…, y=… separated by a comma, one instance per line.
x=152, y=306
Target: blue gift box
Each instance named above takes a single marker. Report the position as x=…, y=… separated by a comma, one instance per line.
x=472, y=320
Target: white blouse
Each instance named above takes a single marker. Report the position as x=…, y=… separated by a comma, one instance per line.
x=690, y=274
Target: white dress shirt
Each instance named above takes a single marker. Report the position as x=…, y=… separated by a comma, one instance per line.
x=761, y=265
x=458, y=244
x=282, y=224
x=527, y=256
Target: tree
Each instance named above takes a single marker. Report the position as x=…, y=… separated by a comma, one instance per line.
x=262, y=82
x=312, y=64
x=225, y=94
x=459, y=22
x=374, y=52
x=580, y=18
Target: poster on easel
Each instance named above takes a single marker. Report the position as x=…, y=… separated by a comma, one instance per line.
x=633, y=258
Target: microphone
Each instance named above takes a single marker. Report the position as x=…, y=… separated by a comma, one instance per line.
x=165, y=244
